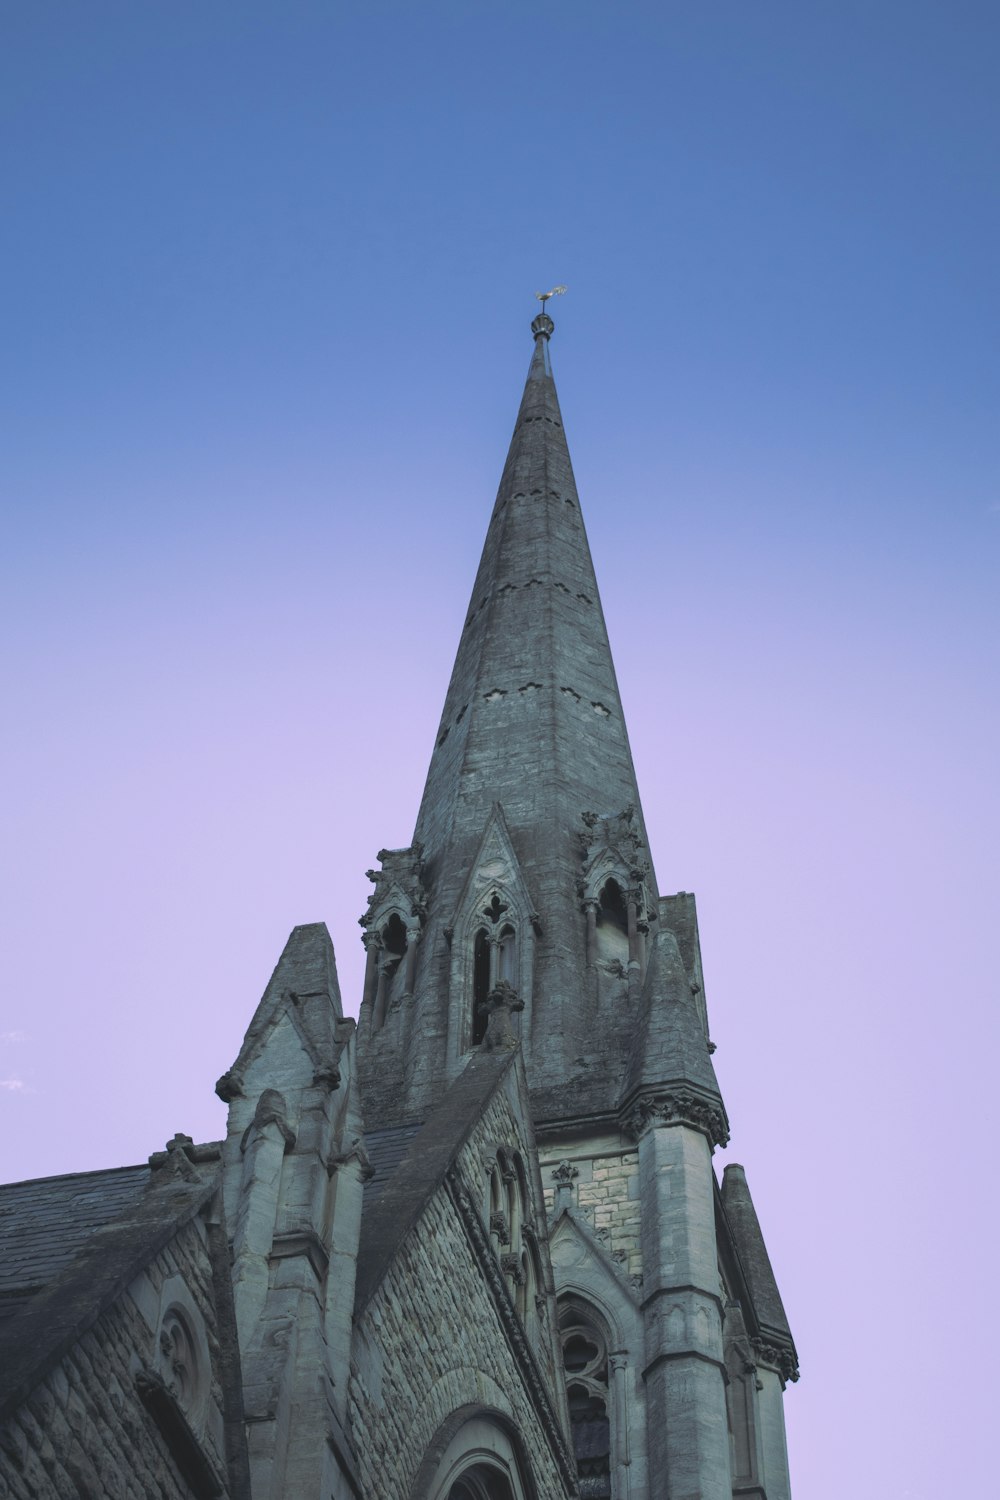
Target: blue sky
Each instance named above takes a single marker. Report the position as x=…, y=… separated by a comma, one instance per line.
x=268, y=271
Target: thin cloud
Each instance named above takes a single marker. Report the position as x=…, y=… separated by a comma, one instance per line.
x=15, y=1086
x=13, y=1036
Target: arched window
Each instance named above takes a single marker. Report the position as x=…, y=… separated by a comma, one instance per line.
x=483, y=1482
x=394, y=937
x=391, y=966
x=585, y=1360
x=480, y=984
x=475, y=1455
x=612, y=924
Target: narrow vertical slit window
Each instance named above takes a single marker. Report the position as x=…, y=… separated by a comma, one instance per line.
x=480, y=984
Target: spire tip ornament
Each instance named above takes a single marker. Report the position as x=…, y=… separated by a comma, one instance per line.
x=543, y=326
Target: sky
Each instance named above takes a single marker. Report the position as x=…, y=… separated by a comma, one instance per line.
x=267, y=273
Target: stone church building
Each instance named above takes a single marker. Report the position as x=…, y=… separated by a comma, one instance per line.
x=472, y=1247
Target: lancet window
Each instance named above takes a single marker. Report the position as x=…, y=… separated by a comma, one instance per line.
x=612, y=924
x=586, y=1363
x=494, y=959
x=481, y=965
x=392, y=953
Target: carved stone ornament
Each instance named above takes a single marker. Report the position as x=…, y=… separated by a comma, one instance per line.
x=229, y=1086
x=327, y=1077
x=780, y=1357
x=512, y=1267
x=355, y=1152
x=564, y=1173
x=501, y=1002
x=676, y=1107
x=402, y=872
x=500, y=1227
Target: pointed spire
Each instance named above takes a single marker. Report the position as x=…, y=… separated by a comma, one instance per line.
x=532, y=718
x=533, y=721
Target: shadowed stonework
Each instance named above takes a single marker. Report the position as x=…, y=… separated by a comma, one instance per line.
x=473, y=1248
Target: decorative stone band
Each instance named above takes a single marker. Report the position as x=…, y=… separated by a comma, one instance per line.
x=679, y=1106
x=521, y=1349
x=780, y=1357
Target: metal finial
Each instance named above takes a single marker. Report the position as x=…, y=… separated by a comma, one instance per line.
x=543, y=326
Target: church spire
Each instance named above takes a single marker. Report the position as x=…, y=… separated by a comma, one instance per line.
x=531, y=792
x=532, y=718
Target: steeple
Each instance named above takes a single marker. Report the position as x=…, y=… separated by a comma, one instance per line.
x=532, y=722
x=532, y=718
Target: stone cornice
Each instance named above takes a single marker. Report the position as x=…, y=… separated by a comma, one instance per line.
x=516, y=1337
x=675, y=1106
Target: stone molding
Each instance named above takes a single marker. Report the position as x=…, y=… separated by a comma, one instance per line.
x=301, y=1242
x=355, y=1152
x=679, y=1106
x=524, y=1355
x=271, y=1110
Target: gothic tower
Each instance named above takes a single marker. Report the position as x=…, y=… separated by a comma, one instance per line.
x=527, y=906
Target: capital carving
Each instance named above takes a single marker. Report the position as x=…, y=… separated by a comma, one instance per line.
x=564, y=1173
x=676, y=1107
x=500, y=1227
x=511, y=1266
x=780, y=1357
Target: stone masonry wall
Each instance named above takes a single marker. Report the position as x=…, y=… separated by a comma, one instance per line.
x=606, y=1191
x=430, y=1342
x=83, y=1434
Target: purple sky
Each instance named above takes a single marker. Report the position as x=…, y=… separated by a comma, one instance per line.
x=268, y=274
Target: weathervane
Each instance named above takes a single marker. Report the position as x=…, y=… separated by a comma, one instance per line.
x=543, y=297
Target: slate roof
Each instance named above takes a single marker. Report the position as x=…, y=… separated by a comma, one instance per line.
x=70, y=1246
x=386, y=1149
x=423, y=1154
x=46, y=1222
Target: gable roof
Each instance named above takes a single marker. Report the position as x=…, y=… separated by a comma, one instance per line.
x=430, y=1150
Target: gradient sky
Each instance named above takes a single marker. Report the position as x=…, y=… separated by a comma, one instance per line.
x=268, y=273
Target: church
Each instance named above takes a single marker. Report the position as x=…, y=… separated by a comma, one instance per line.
x=472, y=1247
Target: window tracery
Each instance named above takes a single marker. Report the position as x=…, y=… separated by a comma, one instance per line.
x=494, y=960
x=586, y=1363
